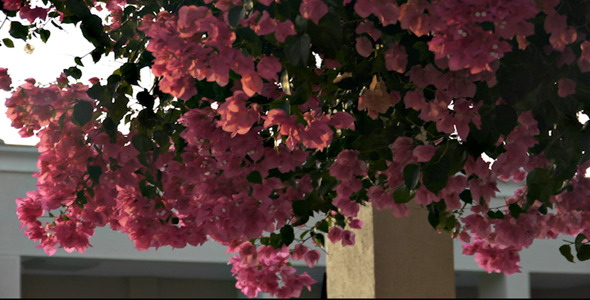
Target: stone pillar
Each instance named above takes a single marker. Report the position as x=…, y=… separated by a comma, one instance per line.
x=497, y=285
x=392, y=258
x=9, y=276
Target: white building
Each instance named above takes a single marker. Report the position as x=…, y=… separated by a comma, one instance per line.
x=113, y=268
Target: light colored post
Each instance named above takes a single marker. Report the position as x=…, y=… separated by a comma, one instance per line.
x=9, y=276
x=496, y=285
x=392, y=258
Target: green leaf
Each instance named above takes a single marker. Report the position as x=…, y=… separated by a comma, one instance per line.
x=541, y=184
x=323, y=226
x=97, y=53
x=77, y=8
x=411, y=175
x=448, y=159
x=94, y=172
x=327, y=35
x=73, y=72
x=495, y=214
x=254, y=177
x=402, y=194
x=18, y=31
x=81, y=199
x=543, y=209
x=82, y=113
x=579, y=241
x=433, y=215
x=319, y=239
x=435, y=175
x=235, y=14
x=566, y=251
x=45, y=34
x=450, y=223
x=300, y=207
x=275, y=240
x=422, y=49
x=504, y=118
x=466, y=196
x=93, y=31
x=340, y=220
x=8, y=43
x=148, y=191
x=584, y=252
x=297, y=49
x=281, y=103
x=147, y=118
x=130, y=73
x=301, y=220
x=287, y=234
x=78, y=61
x=252, y=42
x=515, y=210
x=100, y=93
x=146, y=99
x=142, y=142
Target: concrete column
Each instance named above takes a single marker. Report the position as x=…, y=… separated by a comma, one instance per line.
x=143, y=287
x=9, y=276
x=497, y=285
x=392, y=258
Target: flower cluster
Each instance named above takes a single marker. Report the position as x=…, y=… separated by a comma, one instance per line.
x=261, y=122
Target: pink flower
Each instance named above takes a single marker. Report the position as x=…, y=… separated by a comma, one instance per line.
x=311, y=258
x=251, y=84
x=396, y=58
x=12, y=4
x=268, y=67
x=368, y=27
x=348, y=238
x=5, y=80
x=266, y=25
x=332, y=63
x=377, y=100
x=32, y=14
x=236, y=118
x=477, y=224
x=493, y=259
x=415, y=100
x=364, y=47
x=313, y=10
x=356, y=223
x=347, y=165
x=341, y=120
x=584, y=60
x=566, y=87
x=386, y=11
x=335, y=234
x=299, y=252
x=188, y=18
x=412, y=17
x=284, y=29
x=424, y=153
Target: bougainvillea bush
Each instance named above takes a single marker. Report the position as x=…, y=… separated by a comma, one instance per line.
x=265, y=115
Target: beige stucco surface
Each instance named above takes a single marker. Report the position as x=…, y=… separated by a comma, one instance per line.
x=392, y=258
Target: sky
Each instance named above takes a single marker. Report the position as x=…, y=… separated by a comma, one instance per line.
x=45, y=64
